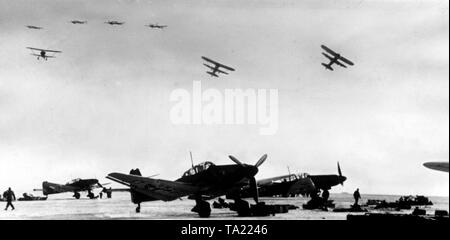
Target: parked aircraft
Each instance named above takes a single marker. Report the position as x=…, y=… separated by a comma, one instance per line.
x=293, y=185
x=202, y=182
x=75, y=186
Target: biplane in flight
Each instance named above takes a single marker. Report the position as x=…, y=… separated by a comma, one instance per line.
x=114, y=23
x=156, y=26
x=203, y=182
x=42, y=53
x=78, y=22
x=335, y=58
x=34, y=27
x=216, y=68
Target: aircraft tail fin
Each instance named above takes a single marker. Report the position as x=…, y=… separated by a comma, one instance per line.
x=212, y=74
x=327, y=66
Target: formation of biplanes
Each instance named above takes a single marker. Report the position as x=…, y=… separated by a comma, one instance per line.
x=214, y=67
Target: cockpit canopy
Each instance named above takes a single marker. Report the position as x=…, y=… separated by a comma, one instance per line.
x=198, y=169
x=74, y=181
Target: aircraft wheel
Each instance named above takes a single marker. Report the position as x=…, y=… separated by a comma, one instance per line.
x=77, y=195
x=203, y=209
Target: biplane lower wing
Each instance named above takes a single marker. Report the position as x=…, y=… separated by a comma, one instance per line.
x=340, y=64
x=37, y=55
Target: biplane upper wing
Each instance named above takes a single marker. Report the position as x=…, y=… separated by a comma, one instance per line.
x=156, y=188
x=329, y=50
x=45, y=50
x=217, y=64
x=346, y=61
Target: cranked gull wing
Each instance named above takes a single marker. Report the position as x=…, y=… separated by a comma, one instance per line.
x=163, y=190
x=303, y=185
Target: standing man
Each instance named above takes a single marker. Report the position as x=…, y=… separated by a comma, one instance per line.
x=356, y=196
x=325, y=195
x=9, y=195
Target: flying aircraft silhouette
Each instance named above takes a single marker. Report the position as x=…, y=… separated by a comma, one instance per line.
x=42, y=53
x=335, y=58
x=216, y=68
x=114, y=23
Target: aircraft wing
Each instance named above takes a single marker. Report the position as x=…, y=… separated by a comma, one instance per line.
x=217, y=64
x=340, y=64
x=53, y=51
x=45, y=50
x=328, y=50
x=37, y=55
x=274, y=179
x=209, y=66
x=346, y=61
x=439, y=166
x=220, y=71
x=302, y=186
x=156, y=188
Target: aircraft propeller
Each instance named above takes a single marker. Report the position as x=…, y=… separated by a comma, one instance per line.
x=236, y=161
x=341, y=178
x=253, y=184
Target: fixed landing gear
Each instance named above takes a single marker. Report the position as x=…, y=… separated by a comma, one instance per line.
x=138, y=208
x=76, y=195
x=203, y=208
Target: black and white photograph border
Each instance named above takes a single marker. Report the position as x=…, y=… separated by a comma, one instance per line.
x=224, y=110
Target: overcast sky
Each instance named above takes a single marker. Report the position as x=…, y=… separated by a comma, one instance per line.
x=103, y=104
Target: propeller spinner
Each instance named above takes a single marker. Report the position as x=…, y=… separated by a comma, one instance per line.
x=253, y=184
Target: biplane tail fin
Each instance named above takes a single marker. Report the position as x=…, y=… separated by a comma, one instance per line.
x=327, y=66
x=212, y=74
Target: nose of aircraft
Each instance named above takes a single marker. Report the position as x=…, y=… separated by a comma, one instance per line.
x=252, y=170
x=342, y=179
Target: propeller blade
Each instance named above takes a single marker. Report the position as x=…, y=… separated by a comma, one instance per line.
x=340, y=174
x=254, y=187
x=339, y=170
x=261, y=160
x=236, y=160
